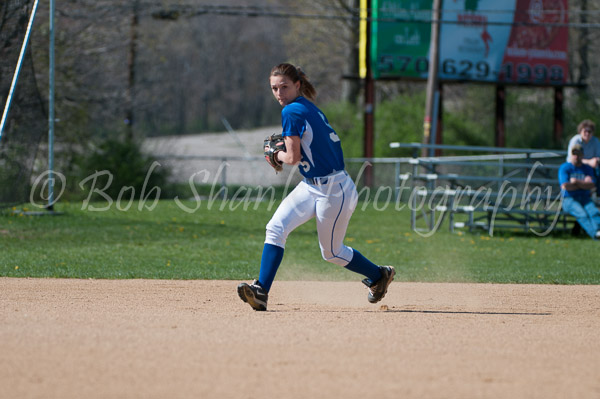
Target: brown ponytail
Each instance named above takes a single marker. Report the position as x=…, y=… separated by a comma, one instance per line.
x=296, y=74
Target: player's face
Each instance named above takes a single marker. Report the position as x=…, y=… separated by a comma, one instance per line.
x=284, y=90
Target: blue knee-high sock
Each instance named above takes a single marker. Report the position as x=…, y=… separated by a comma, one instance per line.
x=269, y=263
x=361, y=265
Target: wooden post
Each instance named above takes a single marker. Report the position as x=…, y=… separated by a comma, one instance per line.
x=439, y=131
x=500, y=140
x=558, y=115
x=432, y=78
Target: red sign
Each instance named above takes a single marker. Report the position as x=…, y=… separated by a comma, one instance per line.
x=538, y=43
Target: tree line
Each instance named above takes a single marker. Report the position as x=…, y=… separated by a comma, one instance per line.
x=141, y=68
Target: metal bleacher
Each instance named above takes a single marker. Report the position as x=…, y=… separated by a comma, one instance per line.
x=489, y=188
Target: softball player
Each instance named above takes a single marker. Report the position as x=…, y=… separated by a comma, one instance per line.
x=327, y=193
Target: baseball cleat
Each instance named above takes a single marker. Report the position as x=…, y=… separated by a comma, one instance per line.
x=378, y=289
x=254, y=295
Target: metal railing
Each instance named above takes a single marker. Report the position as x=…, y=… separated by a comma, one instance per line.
x=521, y=168
x=484, y=167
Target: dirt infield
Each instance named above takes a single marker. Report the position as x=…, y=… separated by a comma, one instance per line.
x=196, y=339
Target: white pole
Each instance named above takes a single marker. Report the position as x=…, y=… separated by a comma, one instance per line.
x=51, y=113
x=18, y=69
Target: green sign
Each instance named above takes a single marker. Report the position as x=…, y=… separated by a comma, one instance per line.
x=401, y=36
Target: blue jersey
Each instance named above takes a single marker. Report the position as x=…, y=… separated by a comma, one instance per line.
x=320, y=146
x=568, y=170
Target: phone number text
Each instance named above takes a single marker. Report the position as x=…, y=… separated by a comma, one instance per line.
x=398, y=65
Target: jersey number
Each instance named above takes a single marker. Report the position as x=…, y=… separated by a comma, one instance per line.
x=304, y=165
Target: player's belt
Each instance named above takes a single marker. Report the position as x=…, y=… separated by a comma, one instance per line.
x=319, y=181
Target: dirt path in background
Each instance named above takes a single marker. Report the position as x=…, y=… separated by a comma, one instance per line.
x=196, y=339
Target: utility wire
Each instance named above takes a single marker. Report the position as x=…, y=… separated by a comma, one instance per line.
x=160, y=10
x=229, y=11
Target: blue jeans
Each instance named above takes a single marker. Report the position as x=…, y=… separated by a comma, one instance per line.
x=587, y=214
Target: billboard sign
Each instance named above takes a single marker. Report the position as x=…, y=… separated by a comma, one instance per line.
x=513, y=41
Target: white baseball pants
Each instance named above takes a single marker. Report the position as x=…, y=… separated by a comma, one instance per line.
x=331, y=200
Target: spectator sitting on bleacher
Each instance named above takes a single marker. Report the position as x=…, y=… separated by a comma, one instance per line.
x=576, y=180
x=591, y=148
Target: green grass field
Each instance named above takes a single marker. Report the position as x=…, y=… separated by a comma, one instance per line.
x=224, y=241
